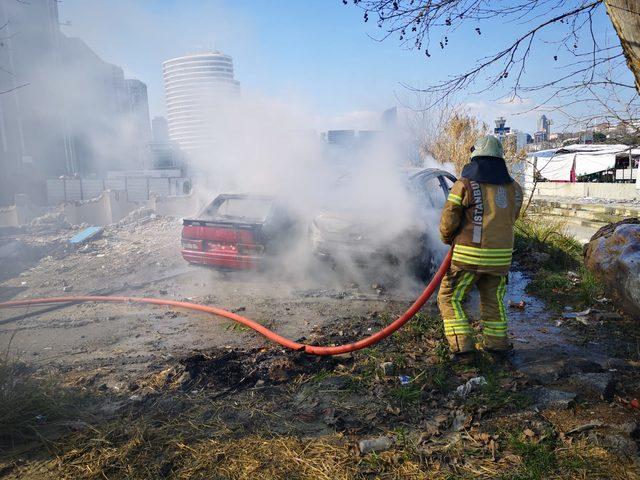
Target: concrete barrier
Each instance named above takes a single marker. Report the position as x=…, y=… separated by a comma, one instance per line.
x=21, y=213
x=109, y=207
x=177, y=206
x=9, y=216
x=610, y=191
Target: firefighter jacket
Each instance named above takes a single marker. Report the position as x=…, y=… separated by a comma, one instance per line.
x=477, y=220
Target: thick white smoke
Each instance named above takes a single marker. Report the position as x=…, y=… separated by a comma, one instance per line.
x=266, y=146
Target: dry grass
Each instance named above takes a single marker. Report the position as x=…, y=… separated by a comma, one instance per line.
x=28, y=403
x=182, y=449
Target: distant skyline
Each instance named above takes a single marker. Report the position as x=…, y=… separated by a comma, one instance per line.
x=318, y=56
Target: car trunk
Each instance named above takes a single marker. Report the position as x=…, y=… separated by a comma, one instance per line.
x=226, y=241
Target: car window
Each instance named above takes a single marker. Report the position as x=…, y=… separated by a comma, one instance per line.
x=255, y=209
x=433, y=191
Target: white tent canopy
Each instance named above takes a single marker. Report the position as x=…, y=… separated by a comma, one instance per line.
x=556, y=164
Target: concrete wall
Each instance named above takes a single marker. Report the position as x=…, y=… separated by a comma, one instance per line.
x=9, y=216
x=610, y=191
x=21, y=213
x=177, y=206
x=108, y=208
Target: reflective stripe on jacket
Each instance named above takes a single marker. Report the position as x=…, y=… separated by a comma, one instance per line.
x=477, y=220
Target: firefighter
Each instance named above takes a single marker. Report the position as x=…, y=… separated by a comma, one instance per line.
x=477, y=220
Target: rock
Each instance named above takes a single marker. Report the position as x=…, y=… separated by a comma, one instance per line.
x=580, y=365
x=378, y=444
x=541, y=370
x=387, y=368
x=459, y=421
x=548, y=398
x=617, y=443
x=539, y=257
x=613, y=255
x=473, y=384
x=600, y=384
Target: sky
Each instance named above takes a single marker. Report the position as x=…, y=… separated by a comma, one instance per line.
x=316, y=53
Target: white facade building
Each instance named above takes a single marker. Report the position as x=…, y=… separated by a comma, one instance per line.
x=195, y=87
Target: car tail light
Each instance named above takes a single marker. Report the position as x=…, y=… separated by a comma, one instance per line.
x=250, y=249
x=189, y=244
x=216, y=247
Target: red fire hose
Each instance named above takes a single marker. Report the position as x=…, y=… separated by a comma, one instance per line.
x=285, y=342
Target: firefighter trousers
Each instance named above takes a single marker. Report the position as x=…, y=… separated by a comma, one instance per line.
x=453, y=289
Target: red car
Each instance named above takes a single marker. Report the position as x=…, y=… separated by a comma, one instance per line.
x=236, y=232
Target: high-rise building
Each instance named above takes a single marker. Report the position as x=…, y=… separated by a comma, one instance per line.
x=64, y=110
x=544, y=124
x=196, y=86
x=138, y=102
x=160, y=129
x=544, y=129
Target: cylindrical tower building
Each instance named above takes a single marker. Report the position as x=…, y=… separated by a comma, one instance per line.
x=194, y=85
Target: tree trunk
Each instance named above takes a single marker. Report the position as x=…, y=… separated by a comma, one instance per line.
x=625, y=16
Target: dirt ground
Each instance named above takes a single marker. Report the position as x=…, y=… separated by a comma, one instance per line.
x=160, y=392
x=143, y=259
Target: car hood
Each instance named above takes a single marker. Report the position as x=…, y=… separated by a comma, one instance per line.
x=348, y=226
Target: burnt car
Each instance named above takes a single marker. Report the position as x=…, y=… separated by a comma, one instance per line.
x=237, y=232
x=340, y=233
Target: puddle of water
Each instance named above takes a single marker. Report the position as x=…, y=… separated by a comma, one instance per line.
x=537, y=340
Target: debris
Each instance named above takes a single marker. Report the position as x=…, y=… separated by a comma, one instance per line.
x=634, y=404
x=573, y=275
x=67, y=288
x=387, y=368
x=460, y=420
x=540, y=257
x=583, y=313
x=85, y=235
x=586, y=426
x=519, y=305
x=51, y=221
x=471, y=385
x=378, y=444
x=521, y=340
x=404, y=380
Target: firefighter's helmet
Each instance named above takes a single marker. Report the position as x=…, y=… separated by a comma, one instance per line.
x=487, y=146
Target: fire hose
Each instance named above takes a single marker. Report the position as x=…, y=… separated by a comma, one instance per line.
x=262, y=330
